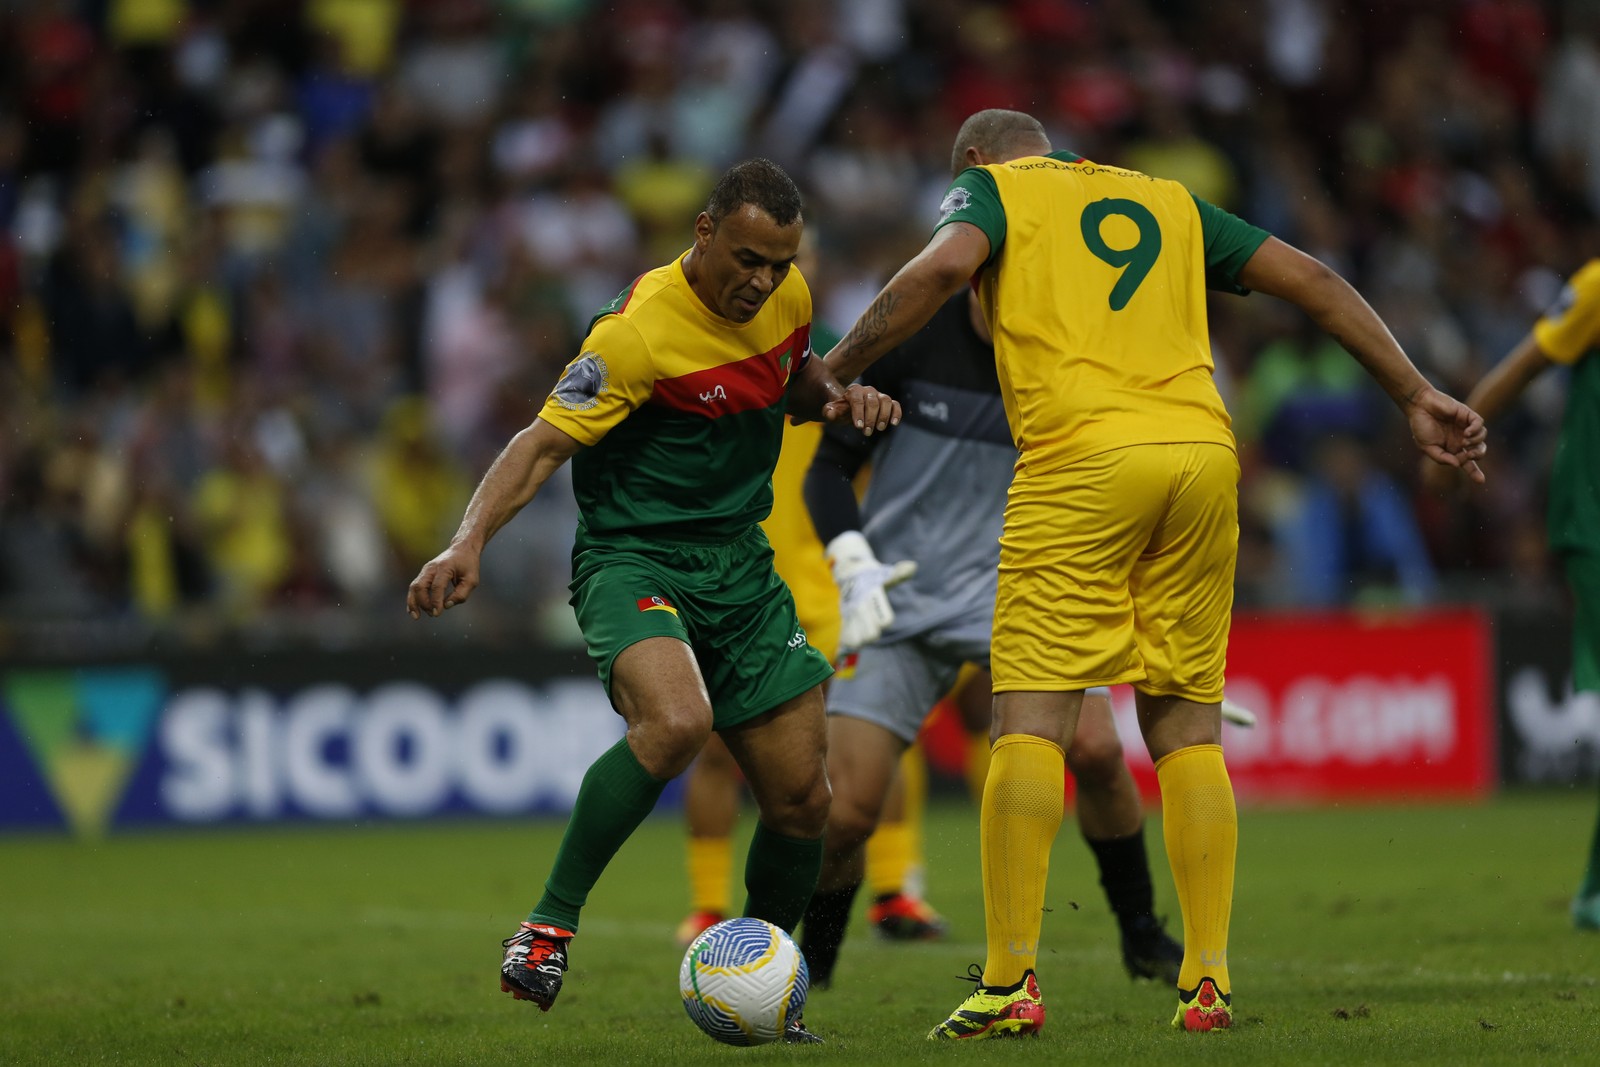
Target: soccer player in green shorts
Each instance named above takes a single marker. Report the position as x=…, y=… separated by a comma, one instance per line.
x=672, y=416
x=1568, y=334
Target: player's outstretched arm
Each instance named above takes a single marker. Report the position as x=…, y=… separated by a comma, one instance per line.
x=1446, y=430
x=522, y=467
x=1509, y=378
x=1496, y=392
x=951, y=257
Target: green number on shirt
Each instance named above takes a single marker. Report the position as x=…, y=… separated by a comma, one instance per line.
x=1137, y=260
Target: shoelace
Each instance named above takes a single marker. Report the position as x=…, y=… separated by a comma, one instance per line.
x=533, y=953
x=974, y=974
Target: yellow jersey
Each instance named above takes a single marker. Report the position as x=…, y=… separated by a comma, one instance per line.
x=1095, y=293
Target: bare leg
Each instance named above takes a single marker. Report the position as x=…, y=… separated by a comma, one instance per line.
x=1108, y=799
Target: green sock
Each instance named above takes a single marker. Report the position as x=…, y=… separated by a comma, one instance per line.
x=1591, y=876
x=779, y=875
x=616, y=795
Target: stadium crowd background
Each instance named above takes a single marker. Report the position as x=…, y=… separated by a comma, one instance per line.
x=278, y=278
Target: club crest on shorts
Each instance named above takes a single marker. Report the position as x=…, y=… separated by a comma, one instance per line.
x=656, y=603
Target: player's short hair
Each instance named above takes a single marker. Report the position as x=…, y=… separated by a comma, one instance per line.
x=996, y=133
x=759, y=182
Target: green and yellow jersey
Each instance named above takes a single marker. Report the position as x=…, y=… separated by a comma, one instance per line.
x=1095, y=293
x=1569, y=333
x=681, y=410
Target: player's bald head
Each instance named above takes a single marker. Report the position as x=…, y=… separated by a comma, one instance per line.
x=998, y=135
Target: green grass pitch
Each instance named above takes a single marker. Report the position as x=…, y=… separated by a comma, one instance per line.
x=1405, y=935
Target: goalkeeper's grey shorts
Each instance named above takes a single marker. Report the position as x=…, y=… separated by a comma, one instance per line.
x=896, y=685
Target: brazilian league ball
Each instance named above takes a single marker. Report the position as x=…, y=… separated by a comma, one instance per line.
x=742, y=981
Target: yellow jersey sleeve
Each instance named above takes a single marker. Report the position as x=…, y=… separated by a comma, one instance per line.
x=1572, y=326
x=612, y=376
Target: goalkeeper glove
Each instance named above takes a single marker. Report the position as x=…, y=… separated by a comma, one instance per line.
x=1238, y=714
x=863, y=582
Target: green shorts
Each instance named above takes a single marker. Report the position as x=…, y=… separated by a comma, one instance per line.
x=1583, y=574
x=724, y=600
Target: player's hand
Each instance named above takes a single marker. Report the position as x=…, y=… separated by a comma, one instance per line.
x=1448, y=432
x=864, y=406
x=863, y=582
x=444, y=581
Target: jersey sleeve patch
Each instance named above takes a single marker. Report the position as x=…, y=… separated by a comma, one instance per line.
x=582, y=383
x=974, y=198
x=1571, y=327
x=955, y=200
x=598, y=391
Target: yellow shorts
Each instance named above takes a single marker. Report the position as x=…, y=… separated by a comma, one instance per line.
x=1119, y=568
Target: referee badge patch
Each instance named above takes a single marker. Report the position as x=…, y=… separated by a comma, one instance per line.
x=582, y=383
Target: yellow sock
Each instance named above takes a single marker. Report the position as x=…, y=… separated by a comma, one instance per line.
x=914, y=774
x=888, y=856
x=1201, y=827
x=978, y=756
x=1022, y=806
x=710, y=866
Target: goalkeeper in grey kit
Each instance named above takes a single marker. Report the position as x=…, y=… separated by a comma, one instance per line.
x=934, y=506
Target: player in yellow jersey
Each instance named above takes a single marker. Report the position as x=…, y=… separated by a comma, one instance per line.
x=1121, y=527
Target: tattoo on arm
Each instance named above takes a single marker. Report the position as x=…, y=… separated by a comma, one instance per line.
x=873, y=323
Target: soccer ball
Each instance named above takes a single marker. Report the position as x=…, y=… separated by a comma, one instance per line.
x=742, y=981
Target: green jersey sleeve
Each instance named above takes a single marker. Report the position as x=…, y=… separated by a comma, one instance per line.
x=975, y=199
x=1230, y=242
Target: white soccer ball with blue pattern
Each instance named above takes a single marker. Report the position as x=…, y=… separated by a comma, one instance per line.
x=742, y=981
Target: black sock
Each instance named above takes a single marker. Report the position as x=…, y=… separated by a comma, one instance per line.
x=822, y=931
x=1125, y=876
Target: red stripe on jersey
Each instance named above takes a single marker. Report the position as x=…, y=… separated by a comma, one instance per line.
x=748, y=384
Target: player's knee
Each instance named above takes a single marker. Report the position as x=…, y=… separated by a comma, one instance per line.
x=849, y=825
x=802, y=811
x=668, y=741
x=1095, y=756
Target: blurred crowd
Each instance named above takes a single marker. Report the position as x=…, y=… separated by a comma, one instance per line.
x=279, y=277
